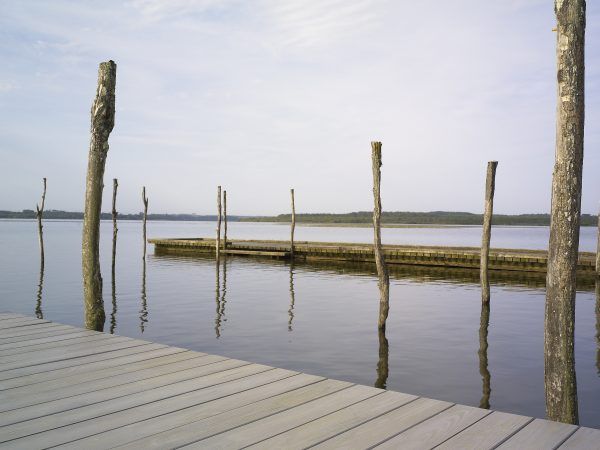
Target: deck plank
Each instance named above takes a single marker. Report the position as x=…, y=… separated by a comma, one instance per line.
x=69, y=344
x=436, y=429
x=43, y=340
x=488, y=432
x=383, y=427
x=539, y=434
x=583, y=439
x=54, y=330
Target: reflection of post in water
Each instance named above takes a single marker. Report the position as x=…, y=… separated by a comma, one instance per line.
x=38, y=304
x=598, y=324
x=220, y=299
x=292, y=297
x=113, y=314
x=483, y=353
x=144, y=310
x=382, y=363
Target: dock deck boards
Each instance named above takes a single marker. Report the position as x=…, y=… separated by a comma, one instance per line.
x=73, y=388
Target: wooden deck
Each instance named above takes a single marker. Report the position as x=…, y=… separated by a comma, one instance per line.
x=519, y=260
x=69, y=387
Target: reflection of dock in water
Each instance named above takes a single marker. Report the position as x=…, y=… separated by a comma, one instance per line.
x=91, y=389
x=459, y=257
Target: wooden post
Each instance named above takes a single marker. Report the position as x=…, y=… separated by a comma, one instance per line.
x=115, y=229
x=484, y=322
x=224, y=219
x=382, y=272
x=490, y=183
x=218, y=241
x=39, y=212
x=145, y=201
x=598, y=248
x=103, y=119
x=293, y=225
x=559, y=358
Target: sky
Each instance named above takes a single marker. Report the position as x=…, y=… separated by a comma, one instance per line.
x=260, y=96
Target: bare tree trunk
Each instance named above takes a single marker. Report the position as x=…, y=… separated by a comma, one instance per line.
x=224, y=219
x=490, y=184
x=484, y=323
x=39, y=212
x=563, y=252
x=383, y=361
x=218, y=241
x=293, y=225
x=102, y=122
x=382, y=272
x=145, y=201
x=115, y=229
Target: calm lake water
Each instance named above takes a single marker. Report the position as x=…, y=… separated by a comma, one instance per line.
x=319, y=319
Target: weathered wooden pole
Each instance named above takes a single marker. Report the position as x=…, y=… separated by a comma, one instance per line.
x=293, y=228
x=115, y=229
x=598, y=248
x=39, y=212
x=382, y=272
x=484, y=322
x=490, y=184
x=102, y=122
x=218, y=240
x=224, y=219
x=563, y=251
x=145, y=201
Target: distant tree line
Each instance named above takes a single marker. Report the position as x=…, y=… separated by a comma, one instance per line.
x=57, y=214
x=420, y=218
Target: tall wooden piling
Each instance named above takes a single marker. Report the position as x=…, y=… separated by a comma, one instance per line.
x=559, y=358
x=293, y=227
x=218, y=240
x=490, y=184
x=102, y=123
x=39, y=212
x=224, y=219
x=145, y=202
x=115, y=229
x=382, y=272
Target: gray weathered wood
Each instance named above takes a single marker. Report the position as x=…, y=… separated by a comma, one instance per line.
x=145, y=217
x=382, y=272
x=383, y=427
x=540, y=434
x=490, y=185
x=39, y=212
x=218, y=240
x=437, y=429
x=559, y=358
x=583, y=438
x=103, y=120
x=293, y=225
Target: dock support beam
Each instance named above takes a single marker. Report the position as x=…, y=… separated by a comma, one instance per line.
x=103, y=120
x=382, y=272
x=490, y=185
x=559, y=357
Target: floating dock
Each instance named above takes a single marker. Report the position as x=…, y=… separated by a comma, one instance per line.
x=65, y=386
x=457, y=257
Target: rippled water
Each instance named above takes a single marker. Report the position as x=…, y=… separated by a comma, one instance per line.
x=318, y=318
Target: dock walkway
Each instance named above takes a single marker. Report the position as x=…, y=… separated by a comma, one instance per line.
x=458, y=257
x=68, y=387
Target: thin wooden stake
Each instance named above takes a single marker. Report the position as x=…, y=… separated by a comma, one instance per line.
x=224, y=219
x=382, y=272
x=559, y=345
x=39, y=212
x=103, y=120
x=115, y=229
x=293, y=228
x=145, y=201
x=218, y=241
x=490, y=183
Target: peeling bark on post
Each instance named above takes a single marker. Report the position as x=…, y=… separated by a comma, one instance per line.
x=382, y=272
x=145, y=201
x=218, y=241
x=559, y=359
x=293, y=225
x=102, y=122
x=224, y=219
x=490, y=184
